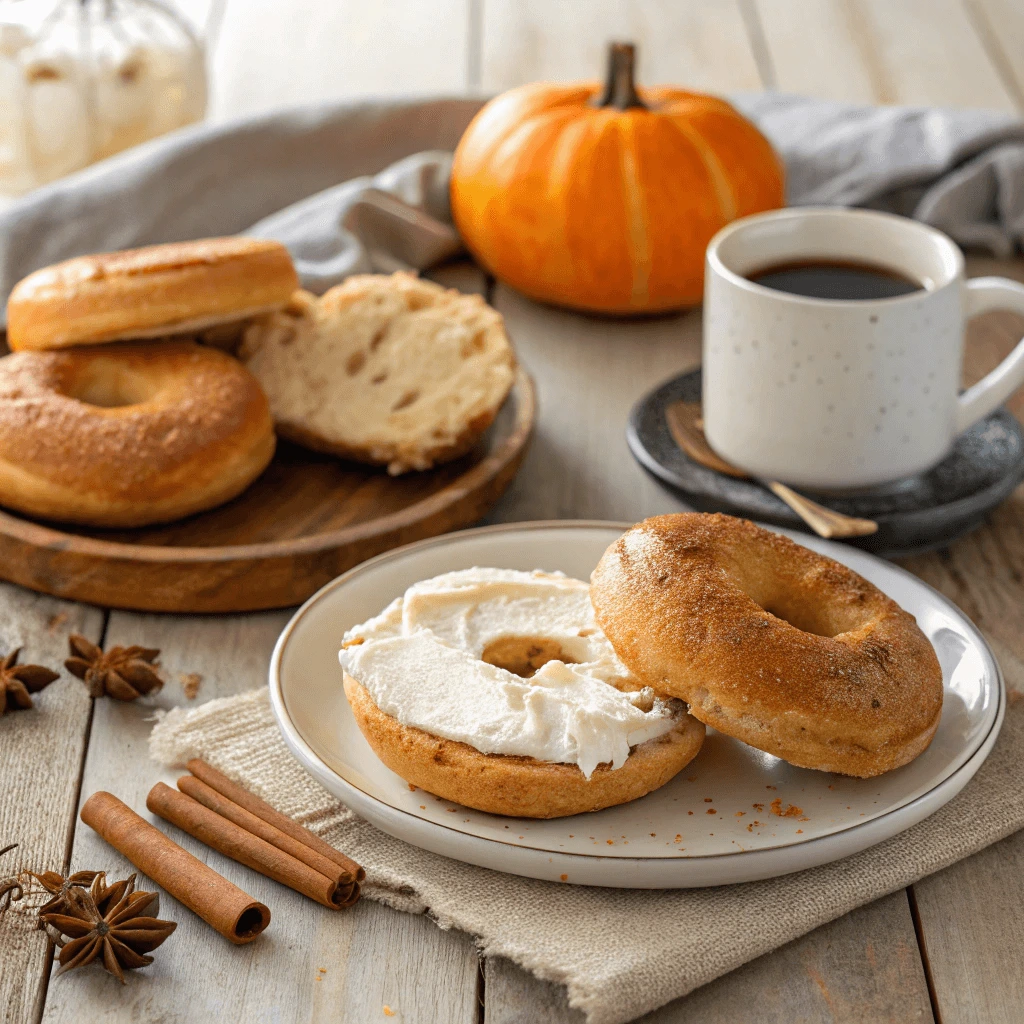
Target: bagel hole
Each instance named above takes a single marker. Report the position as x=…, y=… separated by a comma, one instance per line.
x=110, y=390
x=819, y=602
x=806, y=618
x=524, y=655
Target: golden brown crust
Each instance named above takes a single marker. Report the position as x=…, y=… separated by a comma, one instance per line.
x=126, y=435
x=151, y=292
x=519, y=786
x=835, y=676
x=435, y=456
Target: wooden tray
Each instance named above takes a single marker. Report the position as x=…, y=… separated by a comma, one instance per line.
x=307, y=519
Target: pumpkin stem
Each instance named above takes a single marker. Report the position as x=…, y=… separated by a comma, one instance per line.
x=620, y=87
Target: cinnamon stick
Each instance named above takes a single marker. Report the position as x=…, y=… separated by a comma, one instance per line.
x=254, y=805
x=209, y=797
x=221, y=904
x=235, y=842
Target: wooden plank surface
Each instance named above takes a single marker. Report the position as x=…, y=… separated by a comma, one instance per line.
x=40, y=762
x=270, y=55
x=372, y=956
x=882, y=51
x=1000, y=27
x=589, y=372
x=970, y=915
x=973, y=934
x=862, y=967
x=702, y=44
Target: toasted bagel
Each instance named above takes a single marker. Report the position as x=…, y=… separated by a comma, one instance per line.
x=127, y=435
x=770, y=642
x=161, y=290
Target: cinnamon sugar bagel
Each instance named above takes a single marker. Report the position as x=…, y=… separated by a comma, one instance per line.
x=770, y=642
x=178, y=288
x=127, y=435
x=521, y=787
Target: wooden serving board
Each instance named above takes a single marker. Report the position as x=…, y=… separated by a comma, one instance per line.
x=307, y=519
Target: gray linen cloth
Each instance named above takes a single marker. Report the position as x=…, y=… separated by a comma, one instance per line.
x=318, y=179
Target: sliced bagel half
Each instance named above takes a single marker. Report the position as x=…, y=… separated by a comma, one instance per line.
x=521, y=787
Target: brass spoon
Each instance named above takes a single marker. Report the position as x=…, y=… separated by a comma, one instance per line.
x=687, y=430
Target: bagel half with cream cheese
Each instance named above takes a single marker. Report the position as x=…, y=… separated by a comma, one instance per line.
x=494, y=688
x=522, y=787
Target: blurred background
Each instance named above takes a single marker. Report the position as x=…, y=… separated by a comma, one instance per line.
x=81, y=79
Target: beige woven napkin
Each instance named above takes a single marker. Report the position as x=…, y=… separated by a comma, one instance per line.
x=619, y=952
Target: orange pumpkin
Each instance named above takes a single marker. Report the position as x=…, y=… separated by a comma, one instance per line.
x=606, y=200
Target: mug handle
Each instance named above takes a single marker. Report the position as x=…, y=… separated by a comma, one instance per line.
x=985, y=294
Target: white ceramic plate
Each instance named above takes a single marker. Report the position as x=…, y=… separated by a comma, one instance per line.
x=733, y=815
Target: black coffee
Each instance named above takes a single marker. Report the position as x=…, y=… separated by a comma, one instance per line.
x=824, y=279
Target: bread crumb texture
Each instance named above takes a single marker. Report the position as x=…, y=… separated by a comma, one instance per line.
x=389, y=370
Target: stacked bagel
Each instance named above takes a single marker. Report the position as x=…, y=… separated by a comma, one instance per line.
x=515, y=693
x=147, y=385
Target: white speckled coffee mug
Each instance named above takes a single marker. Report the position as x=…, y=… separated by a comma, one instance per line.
x=840, y=394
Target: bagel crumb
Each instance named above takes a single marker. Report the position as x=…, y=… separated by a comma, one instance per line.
x=564, y=878
x=791, y=811
x=190, y=684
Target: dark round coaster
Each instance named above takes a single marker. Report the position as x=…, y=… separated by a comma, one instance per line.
x=916, y=514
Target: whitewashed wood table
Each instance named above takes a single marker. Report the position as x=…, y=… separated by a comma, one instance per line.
x=946, y=950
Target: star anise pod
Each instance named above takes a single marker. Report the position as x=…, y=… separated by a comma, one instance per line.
x=123, y=672
x=57, y=886
x=10, y=888
x=19, y=682
x=110, y=923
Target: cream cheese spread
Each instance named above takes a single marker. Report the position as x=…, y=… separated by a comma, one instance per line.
x=421, y=662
